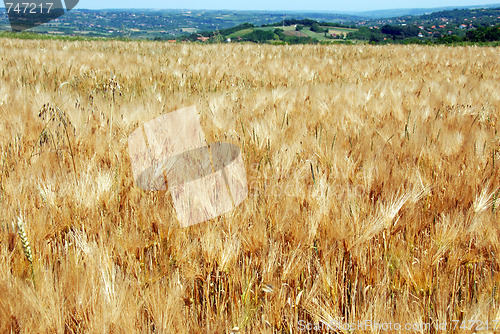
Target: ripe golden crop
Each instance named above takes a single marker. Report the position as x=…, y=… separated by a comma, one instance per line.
x=373, y=187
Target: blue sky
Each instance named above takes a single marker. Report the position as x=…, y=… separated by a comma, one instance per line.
x=353, y=5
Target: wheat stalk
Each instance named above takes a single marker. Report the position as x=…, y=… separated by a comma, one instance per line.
x=62, y=119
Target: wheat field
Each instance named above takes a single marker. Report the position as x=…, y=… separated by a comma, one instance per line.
x=372, y=176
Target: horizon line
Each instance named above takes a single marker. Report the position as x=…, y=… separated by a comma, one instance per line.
x=299, y=10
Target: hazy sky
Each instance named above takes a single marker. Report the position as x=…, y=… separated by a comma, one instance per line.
x=353, y=5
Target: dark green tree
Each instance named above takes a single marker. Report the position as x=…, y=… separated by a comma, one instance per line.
x=317, y=28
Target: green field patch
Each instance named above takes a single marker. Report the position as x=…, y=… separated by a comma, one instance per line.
x=240, y=33
x=320, y=36
x=189, y=30
x=286, y=28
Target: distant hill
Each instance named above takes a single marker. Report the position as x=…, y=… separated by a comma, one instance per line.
x=260, y=26
x=389, y=13
x=149, y=23
x=477, y=25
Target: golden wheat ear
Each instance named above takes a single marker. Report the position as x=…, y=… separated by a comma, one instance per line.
x=26, y=245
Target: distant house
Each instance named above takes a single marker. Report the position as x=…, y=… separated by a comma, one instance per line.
x=420, y=34
x=421, y=27
x=462, y=26
x=228, y=40
x=203, y=39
